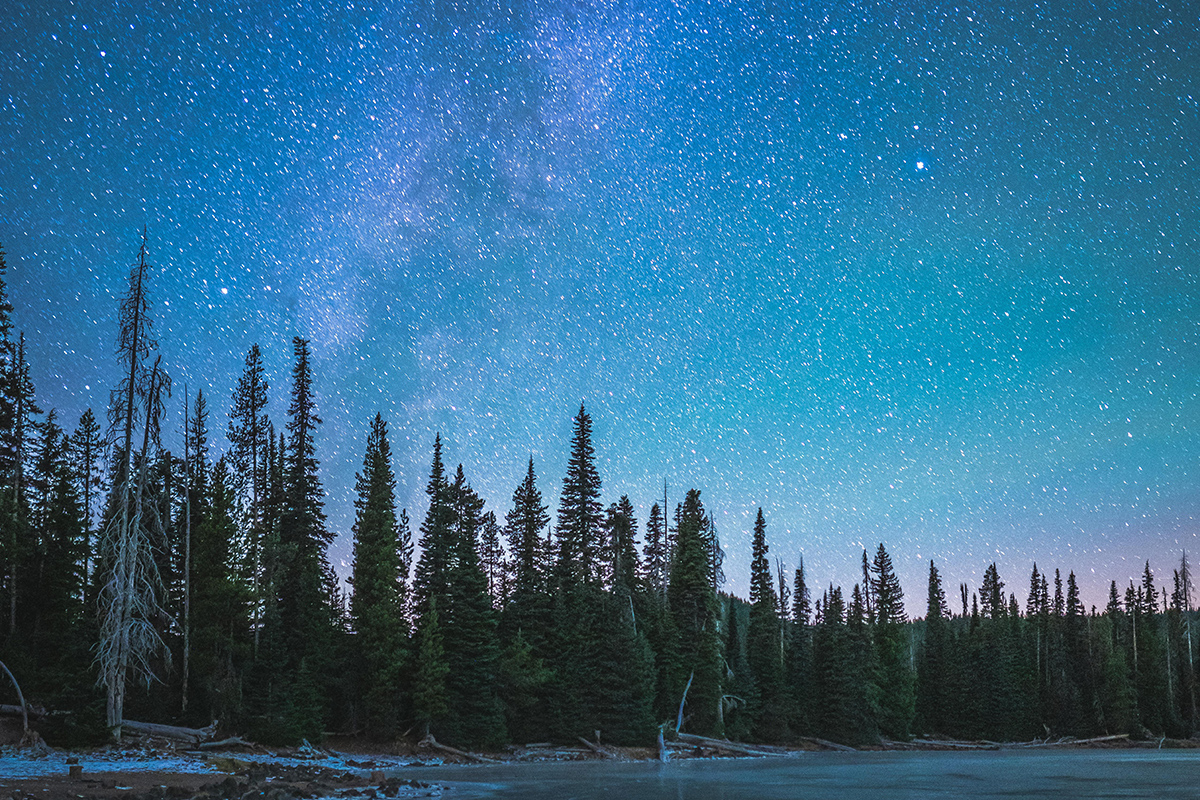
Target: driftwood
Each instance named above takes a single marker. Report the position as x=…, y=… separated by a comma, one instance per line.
x=232, y=741
x=17, y=711
x=953, y=744
x=663, y=755
x=727, y=746
x=1070, y=742
x=187, y=735
x=827, y=744
x=597, y=749
x=21, y=698
x=429, y=741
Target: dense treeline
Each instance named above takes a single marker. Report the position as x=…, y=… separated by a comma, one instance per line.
x=141, y=584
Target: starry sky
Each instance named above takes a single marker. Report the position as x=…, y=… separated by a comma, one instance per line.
x=921, y=273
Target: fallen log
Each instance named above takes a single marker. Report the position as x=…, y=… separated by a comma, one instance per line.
x=1072, y=742
x=597, y=749
x=8, y=710
x=232, y=741
x=429, y=741
x=953, y=744
x=188, y=735
x=727, y=746
x=828, y=744
x=21, y=698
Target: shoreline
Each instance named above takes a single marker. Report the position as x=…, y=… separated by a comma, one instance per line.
x=160, y=772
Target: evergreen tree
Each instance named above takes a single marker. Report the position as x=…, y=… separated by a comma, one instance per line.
x=620, y=553
x=741, y=692
x=800, y=656
x=430, y=703
x=842, y=662
x=895, y=678
x=1150, y=668
x=251, y=439
x=579, y=513
x=85, y=447
x=525, y=623
x=693, y=604
x=220, y=606
x=933, y=666
x=304, y=614
x=657, y=558
x=524, y=526
x=376, y=606
x=469, y=624
x=763, y=646
x=492, y=561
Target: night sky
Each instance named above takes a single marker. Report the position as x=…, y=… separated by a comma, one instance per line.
x=919, y=273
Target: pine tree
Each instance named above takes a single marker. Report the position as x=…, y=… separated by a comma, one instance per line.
x=895, y=678
x=251, y=439
x=800, y=656
x=693, y=604
x=579, y=513
x=763, y=646
x=933, y=666
x=842, y=665
x=430, y=703
x=85, y=447
x=471, y=644
x=620, y=553
x=17, y=447
x=376, y=609
x=656, y=564
x=492, y=560
x=525, y=625
x=220, y=606
x=433, y=569
x=524, y=526
x=1150, y=669
x=303, y=620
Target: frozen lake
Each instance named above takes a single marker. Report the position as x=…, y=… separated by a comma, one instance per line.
x=1084, y=774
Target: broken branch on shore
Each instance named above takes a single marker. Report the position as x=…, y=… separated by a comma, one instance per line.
x=429, y=741
x=727, y=746
x=597, y=749
x=186, y=735
x=1067, y=742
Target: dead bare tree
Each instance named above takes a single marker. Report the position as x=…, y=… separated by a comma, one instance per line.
x=131, y=587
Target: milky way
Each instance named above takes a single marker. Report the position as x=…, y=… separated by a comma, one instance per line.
x=924, y=274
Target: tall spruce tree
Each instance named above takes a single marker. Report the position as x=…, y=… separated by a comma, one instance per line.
x=376, y=606
x=303, y=652
x=764, y=650
x=895, y=677
x=579, y=512
x=471, y=644
x=251, y=438
x=86, y=448
x=693, y=604
x=800, y=656
x=932, y=702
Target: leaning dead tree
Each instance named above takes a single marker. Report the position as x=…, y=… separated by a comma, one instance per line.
x=131, y=585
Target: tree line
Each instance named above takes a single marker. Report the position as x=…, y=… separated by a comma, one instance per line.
x=144, y=584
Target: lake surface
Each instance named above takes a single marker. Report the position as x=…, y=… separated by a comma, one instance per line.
x=841, y=776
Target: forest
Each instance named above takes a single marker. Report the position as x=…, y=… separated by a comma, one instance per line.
x=141, y=584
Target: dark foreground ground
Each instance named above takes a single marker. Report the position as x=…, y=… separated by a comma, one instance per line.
x=165, y=775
